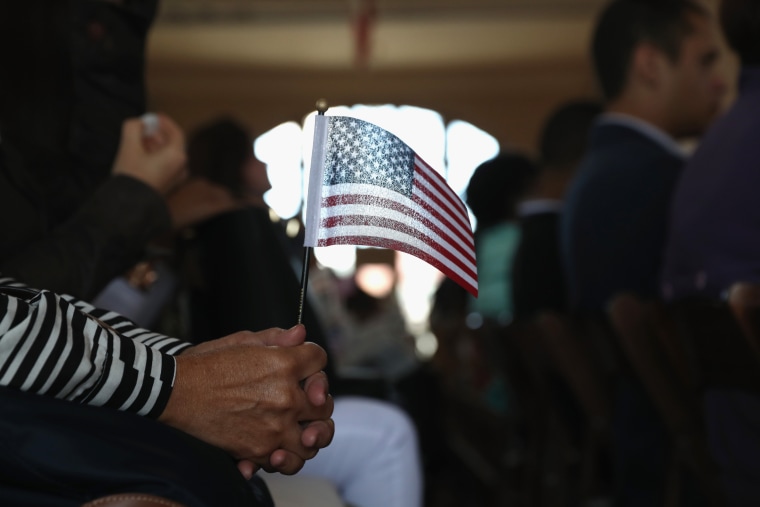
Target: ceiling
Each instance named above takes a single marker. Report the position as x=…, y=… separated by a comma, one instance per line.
x=499, y=64
x=405, y=33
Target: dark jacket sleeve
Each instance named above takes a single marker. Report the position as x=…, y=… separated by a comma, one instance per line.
x=66, y=224
x=105, y=237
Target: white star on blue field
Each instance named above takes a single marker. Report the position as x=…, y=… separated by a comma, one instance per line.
x=360, y=152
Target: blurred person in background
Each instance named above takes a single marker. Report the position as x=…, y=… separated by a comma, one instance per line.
x=712, y=242
x=657, y=65
x=538, y=280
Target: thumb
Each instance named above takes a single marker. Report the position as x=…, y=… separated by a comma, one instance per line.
x=131, y=132
x=296, y=335
x=272, y=337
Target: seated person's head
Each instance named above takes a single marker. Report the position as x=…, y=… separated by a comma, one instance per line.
x=564, y=137
x=496, y=185
x=222, y=152
x=665, y=51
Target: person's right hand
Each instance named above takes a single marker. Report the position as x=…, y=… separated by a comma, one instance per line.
x=157, y=159
x=260, y=396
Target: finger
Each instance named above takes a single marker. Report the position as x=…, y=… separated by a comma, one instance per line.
x=310, y=359
x=159, y=130
x=296, y=335
x=150, y=123
x=170, y=129
x=131, y=132
x=167, y=138
x=247, y=468
x=308, y=412
x=171, y=152
x=318, y=434
x=292, y=441
x=153, y=137
x=317, y=388
x=285, y=462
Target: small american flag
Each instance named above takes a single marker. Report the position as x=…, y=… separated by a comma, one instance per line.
x=367, y=187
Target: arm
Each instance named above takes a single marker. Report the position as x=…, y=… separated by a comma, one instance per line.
x=260, y=396
x=110, y=230
x=105, y=237
x=128, y=329
x=50, y=347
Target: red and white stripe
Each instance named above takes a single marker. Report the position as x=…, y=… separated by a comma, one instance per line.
x=432, y=225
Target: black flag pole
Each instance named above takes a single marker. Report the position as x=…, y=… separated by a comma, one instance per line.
x=304, y=280
x=307, y=250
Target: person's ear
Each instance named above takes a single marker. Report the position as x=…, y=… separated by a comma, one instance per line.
x=649, y=65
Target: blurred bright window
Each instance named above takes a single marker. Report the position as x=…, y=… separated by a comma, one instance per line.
x=454, y=148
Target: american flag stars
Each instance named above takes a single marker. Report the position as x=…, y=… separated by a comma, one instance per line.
x=369, y=188
x=361, y=152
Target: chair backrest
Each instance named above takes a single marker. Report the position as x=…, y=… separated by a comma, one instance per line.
x=132, y=500
x=578, y=352
x=636, y=325
x=744, y=301
x=648, y=340
x=575, y=349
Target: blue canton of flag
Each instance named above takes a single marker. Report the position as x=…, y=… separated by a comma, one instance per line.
x=360, y=152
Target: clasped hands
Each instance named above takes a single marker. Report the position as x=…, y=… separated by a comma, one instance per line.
x=262, y=397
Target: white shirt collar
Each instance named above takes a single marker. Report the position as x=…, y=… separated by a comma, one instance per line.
x=645, y=128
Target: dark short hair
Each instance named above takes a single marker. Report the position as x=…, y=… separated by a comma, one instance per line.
x=496, y=185
x=740, y=20
x=218, y=150
x=624, y=24
x=564, y=136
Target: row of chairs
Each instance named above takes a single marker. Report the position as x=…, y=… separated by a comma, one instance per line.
x=682, y=349
x=676, y=350
x=530, y=455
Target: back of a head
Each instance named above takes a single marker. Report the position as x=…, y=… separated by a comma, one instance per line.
x=495, y=186
x=218, y=151
x=564, y=137
x=740, y=20
x=624, y=24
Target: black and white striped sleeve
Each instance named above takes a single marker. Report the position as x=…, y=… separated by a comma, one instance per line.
x=50, y=345
x=127, y=328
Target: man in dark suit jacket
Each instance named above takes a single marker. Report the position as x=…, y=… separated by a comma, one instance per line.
x=655, y=63
x=660, y=85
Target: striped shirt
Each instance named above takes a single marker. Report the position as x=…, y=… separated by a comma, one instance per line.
x=58, y=346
